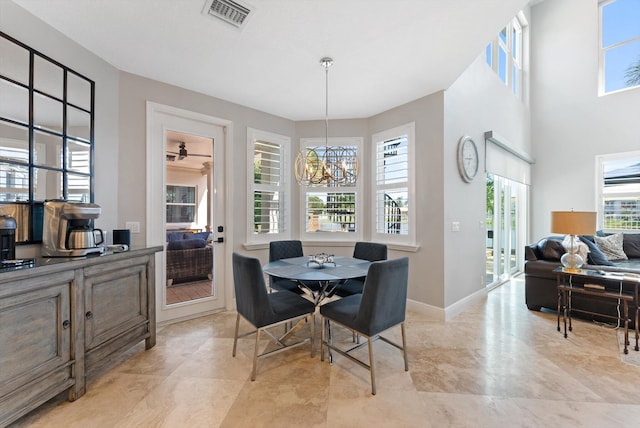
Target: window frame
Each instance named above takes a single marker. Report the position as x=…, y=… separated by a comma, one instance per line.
x=194, y=204
x=517, y=24
x=600, y=189
x=254, y=135
x=409, y=130
x=602, y=51
x=358, y=143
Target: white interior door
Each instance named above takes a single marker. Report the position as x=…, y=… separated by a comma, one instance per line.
x=164, y=123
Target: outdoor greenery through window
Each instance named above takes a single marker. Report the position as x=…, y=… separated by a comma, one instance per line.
x=620, y=192
x=393, y=184
x=619, y=45
x=266, y=183
x=504, y=55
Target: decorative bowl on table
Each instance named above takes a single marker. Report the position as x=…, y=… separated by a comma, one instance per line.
x=319, y=260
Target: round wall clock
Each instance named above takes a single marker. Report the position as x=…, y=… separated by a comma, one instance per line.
x=467, y=159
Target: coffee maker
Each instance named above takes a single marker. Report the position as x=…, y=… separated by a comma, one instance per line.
x=68, y=230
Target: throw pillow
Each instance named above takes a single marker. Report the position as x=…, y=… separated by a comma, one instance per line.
x=174, y=236
x=596, y=257
x=551, y=249
x=186, y=244
x=197, y=235
x=611, y=246
x=631, y=244
x=580, y=247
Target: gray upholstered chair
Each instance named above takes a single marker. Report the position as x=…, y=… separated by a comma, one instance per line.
x=381, y=305
x=370, y=251
x=284, y=250
x=265, y=310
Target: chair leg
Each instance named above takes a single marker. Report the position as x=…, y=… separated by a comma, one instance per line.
x=322, y=338
x=235, y=336
x=404, y=348
x=313, y=331
x=372, y=368
x=255, y=356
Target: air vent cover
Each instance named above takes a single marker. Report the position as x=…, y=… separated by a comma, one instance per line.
x=231, y=12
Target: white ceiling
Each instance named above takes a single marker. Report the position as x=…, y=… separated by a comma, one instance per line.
x=386, y=52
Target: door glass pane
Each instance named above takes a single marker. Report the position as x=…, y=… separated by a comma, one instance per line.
x=490, y=232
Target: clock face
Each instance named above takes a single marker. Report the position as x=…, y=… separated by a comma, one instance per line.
x=467, y=159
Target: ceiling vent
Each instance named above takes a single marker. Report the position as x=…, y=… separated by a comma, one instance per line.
x=231, y=12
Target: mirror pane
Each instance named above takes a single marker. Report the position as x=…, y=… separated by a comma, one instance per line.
x=79, y=187
x=47, y=184
x=14, y=182
x=78, y=91
x=78, y=123
x=15, y=61
x=47, y=77
x=14, y=142
x=78, y=156
x=14, y=102
x=47, y=113
x=47, y=149
x=20, y=212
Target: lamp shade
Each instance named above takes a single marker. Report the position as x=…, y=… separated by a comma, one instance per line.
x=573, y=222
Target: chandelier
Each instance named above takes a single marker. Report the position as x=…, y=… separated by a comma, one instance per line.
x=330, y=166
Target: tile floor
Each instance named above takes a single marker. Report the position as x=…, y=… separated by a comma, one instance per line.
x=495, y=365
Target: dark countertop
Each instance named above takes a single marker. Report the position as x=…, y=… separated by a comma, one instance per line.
x=42, y=265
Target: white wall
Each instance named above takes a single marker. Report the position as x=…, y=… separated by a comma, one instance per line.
x=191, y=177
x=28, y=29
x=571, y=124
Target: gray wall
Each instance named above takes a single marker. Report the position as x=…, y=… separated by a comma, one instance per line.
x=571, y=124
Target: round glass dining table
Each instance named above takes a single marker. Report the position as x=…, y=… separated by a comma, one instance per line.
x=319, y=281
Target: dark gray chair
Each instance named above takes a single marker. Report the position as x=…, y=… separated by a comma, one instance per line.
x=381, y=305
x=370, y=251
x=265, y=310
x=284, y=250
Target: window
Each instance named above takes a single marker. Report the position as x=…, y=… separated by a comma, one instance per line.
x=619, y=45
x=504, y=54
x=268, y=176
x=332, y=213
x=181, y=205
x=619, y=199
x=393, y=185
x=46, y=135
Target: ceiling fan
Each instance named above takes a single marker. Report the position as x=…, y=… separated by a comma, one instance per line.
x=182, y=153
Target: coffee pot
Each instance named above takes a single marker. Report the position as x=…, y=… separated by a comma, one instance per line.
x=84, y=237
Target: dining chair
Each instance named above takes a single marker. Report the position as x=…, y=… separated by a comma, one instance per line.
x=266, y=310
x=381, y=306
x=284, y=250
x=370, y=251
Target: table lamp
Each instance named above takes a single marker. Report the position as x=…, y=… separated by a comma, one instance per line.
x=573, y=223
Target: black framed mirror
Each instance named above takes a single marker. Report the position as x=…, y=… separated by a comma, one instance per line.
x=46, y=135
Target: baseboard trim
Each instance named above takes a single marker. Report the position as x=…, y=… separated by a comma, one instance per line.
x=448, y=313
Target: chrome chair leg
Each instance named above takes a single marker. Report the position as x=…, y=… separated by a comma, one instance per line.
x=235, y=336
x=372, y=368
x=255, y=356
x=404, y=348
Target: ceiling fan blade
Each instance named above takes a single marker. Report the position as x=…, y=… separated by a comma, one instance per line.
x=203, y=156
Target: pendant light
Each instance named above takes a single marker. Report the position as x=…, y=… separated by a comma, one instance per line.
x=328, y=166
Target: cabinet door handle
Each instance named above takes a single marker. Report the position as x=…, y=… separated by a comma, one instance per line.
x=88, y=315
x=66, y=324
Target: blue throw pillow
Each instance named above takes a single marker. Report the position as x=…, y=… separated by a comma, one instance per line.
x=174, y=236
x=595, y=256
x=186, y=244
x=197, y=235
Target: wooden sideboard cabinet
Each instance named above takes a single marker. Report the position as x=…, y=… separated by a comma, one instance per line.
x=61, y=320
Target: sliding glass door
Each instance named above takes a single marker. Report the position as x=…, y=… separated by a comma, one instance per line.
x=506, y=228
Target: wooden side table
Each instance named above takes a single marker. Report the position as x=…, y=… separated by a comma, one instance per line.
x=567, y=289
